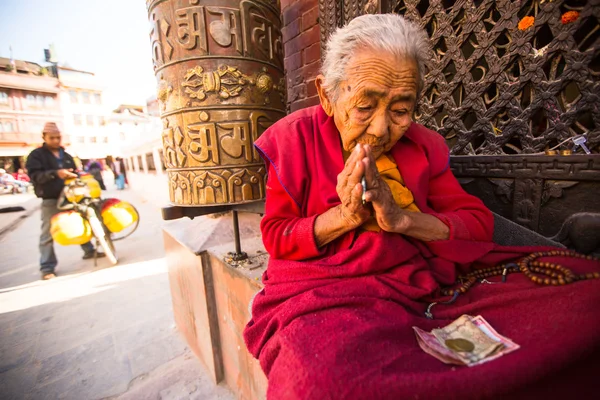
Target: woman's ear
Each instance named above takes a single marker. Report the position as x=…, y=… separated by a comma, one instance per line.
x=323, y=97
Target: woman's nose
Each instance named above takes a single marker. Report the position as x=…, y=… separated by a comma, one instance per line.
x=380, y=125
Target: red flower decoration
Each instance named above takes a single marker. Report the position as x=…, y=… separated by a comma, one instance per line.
x=569, y=16
x=526, y=23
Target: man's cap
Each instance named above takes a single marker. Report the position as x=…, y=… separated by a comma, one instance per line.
x=51, y=127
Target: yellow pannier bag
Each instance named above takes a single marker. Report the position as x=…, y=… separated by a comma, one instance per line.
x=118, y=215
x=69, y=228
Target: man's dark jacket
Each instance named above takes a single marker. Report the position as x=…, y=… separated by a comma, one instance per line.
x=42, y=166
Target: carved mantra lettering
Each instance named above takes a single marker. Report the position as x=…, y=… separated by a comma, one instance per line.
x=191, y=28
x=249, y=31
x=172, y=142
x=260, y=33
x=236, y=138
x=226, y=30
x=203, y=142
x=162, y=50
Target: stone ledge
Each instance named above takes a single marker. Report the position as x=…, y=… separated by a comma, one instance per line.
x=211, y=297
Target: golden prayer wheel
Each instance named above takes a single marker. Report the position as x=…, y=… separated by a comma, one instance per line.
x=219, y=68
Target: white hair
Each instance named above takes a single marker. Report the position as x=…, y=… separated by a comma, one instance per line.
x=388, y=33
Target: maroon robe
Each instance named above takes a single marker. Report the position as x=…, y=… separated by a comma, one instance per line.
x=336, y=322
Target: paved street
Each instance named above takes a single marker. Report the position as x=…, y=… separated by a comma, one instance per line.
x=93, y=332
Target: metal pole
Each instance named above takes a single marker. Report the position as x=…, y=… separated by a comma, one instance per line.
x=239, y=255
x=236, y=233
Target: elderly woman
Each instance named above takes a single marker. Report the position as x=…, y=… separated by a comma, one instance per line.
x=350, y=275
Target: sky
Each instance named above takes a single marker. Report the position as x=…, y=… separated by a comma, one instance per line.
x=107, y=37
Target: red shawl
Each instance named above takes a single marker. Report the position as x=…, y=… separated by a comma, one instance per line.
x=335, y=323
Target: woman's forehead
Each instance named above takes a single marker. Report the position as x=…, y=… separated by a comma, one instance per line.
x=392, y=90
x=371, y=71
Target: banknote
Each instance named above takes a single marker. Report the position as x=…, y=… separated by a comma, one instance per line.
x=466, y=341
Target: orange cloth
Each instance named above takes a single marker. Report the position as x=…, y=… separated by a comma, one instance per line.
x=388, y=170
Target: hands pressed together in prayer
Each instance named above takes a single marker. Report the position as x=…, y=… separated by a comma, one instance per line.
x=390, y=217
x=351, y=213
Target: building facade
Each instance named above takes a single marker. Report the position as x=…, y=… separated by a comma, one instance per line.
x=29, y=97
x=127, y=128
x=84, y=114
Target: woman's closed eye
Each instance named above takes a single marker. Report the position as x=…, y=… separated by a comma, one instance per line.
x=399, y=113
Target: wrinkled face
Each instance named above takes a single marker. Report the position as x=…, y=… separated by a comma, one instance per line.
x=52, y=140
x=376, y=103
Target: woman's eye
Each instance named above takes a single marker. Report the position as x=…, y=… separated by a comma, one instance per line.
x=399, y=113
x=365, y=108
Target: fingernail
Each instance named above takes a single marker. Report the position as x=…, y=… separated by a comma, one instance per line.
x=357, y=148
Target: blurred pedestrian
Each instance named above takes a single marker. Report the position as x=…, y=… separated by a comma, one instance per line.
x=48, y=167
x=7, y=180
x=95, y=169
x=118, y=168
x=22, y=176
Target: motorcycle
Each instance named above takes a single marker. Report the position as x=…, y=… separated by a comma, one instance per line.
x=85, y=215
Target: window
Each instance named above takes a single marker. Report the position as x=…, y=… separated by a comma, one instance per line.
x=89, y=120
x=97, y=98
x=30, y=99
x=73, y=96
x=150, y=162
x=50, y=101
x=140, y=164
x=77, y=119
x=39, y=100
x=101, y=121
x=80, y=139
x=8, y=127
x=122, y=135
x=93, y=139
x=105, y=139
x=86, y=97
x=3, y=98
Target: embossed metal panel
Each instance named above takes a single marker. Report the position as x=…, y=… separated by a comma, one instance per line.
x=219, y=68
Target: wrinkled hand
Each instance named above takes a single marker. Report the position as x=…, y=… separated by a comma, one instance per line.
x=349, y=190
x=66, y=173
x=389, y=215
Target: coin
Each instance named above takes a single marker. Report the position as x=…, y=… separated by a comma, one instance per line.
x=459, y=345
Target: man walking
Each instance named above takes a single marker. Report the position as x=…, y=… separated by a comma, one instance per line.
x=48, y=167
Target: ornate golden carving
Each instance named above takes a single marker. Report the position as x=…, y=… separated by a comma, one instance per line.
x=164, y=91
x=223, y=186
x=226, y=81
x=214, y=108
x=210, y=188
x=180, y=189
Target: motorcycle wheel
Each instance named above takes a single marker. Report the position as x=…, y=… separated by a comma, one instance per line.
x=103, y=237
x=109, y=248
